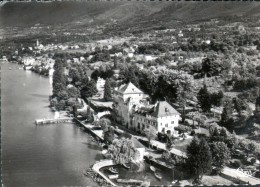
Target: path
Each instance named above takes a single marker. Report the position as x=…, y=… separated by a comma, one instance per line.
x=235, y=174
x=102, y=164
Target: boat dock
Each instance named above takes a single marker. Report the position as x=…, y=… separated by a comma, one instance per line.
x=51, y=121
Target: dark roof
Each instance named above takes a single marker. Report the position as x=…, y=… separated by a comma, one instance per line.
x=136, y=143
x=164, y=109
x=145, y=110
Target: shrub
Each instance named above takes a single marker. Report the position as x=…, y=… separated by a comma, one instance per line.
x=253, y=160
x=237, y=164
x=192, y=133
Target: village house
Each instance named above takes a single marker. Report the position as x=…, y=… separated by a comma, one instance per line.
x=100, y=84
x=27, y=61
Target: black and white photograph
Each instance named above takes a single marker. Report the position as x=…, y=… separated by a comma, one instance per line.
x=129, y=93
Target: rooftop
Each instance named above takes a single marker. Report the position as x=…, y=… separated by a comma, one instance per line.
x=163, y=108
x=129, y=88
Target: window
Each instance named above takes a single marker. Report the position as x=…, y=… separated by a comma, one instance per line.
x=138, y=125
x=166, y=125
x=172, y=122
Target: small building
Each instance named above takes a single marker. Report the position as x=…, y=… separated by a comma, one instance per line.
x=180, y=34
x=116, y=73
x=100, y=84
x=28, y=61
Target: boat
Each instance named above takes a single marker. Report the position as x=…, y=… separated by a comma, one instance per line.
x=152, y=168
x=129, y=181
x=126, y=166
x=10, y=68
x=158, y=175
x=27, y=67
x=113, y=170
x=115, y=176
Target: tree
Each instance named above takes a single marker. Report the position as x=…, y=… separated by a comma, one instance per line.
x=61, y=105
x=204, y=100
x=109, y=135
x=150, y=134
x=74, y=75
x=115, y=62
x=184, y=90
x=220, y=155
x=89, y=115
x=107, y=91
x=95, y=74
x=122, y=151
x=226, y=116
x=169, y=140
x=210, y=67
x=57, y=89
x=199, y=158
x=216, y=98
x=104, y=124
x=131, y=77
x=257, y=107
x=73, y=92
x=164, y=89
x=89, y=89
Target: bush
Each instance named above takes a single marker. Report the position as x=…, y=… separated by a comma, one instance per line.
x=236, y=164
x=253, y=160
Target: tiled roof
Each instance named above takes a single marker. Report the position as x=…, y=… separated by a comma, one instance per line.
x=164, y=109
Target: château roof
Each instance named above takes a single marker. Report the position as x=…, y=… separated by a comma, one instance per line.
x=163, y=108
x=129, y=89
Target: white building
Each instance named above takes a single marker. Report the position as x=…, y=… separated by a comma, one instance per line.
x=126, y=96
x=162, y=116
x=27, y=61
x=100, y=84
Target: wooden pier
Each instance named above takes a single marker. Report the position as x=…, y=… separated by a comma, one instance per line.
x=52, y=121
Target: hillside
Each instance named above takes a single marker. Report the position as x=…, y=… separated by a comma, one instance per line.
x=129, y=13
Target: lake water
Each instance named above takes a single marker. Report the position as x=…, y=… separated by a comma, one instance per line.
x=49, y=155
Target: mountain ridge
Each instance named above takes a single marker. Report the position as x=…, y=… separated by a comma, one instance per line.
x=129, y=12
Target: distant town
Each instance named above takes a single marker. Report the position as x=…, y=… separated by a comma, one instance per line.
x=183, y=101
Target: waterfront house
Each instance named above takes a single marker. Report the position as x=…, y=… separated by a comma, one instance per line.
x=125, y=97
x=162, y=116
x=28, y=61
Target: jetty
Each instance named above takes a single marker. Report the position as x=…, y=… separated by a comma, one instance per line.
x=51, y=121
